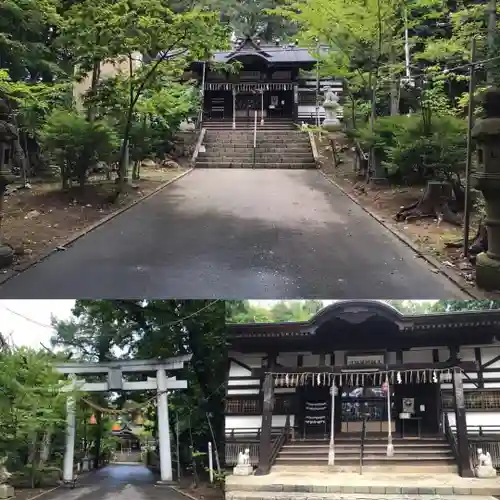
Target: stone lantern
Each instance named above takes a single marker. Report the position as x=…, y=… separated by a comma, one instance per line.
x=486, y=179
x=8, y=134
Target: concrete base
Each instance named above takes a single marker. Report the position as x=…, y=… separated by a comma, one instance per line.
x=6, y=491
x=280, y=484
x=165, y=483
x=243, y=470
x=6, y=256
x=331, y=125
x=487, y=272
x=485, y=472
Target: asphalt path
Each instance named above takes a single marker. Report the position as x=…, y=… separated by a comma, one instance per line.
x=223, y=233
x=116, y=482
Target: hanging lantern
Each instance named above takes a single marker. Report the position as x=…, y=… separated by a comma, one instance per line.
x=116, y=426
x=92, y=420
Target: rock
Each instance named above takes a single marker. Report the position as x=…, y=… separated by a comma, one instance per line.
x=32, y=214
x=6, y=259
x=6, y=491
x=170, y=164
x=148, y=163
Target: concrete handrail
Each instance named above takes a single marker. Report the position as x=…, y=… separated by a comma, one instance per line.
x=199, y=142
x=314, y=148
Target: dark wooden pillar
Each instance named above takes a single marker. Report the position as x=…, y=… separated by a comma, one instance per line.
x=464, y=468
x=266, y=429
x=479, y=363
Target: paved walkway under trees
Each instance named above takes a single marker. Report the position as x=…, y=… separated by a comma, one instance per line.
x=238, y=233
x=116, y=482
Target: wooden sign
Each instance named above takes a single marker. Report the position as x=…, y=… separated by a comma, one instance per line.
x=366, y=359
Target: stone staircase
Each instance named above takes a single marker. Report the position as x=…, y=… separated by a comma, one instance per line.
x=279, y=145
x=410, y=454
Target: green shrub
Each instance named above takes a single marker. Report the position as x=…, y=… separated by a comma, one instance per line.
x=414, y=149
x=420, y=152
x=76, y=145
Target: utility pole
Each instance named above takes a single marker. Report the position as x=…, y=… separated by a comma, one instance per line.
x=468, y=164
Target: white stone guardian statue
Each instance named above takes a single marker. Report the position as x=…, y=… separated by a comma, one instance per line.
x=485, y=468
x=243, y=466
x=6, y=490
x=331, y=105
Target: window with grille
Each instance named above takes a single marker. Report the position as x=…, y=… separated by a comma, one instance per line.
x=243, y=406
x=474, y=400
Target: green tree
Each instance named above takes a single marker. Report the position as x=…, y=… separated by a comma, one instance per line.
x=30, y=403
x=159, y=329
x=165, y=39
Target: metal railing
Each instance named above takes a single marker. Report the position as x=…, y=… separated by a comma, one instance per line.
x=233, y=449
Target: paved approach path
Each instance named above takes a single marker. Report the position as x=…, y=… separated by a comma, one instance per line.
x=116, y=482
x=227, y=233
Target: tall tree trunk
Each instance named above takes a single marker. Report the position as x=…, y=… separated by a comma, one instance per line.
x=394, y=94
x=46, y=443
x=492, y=33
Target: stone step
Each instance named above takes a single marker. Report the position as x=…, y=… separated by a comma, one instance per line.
x=301, y=451
x=274, y=157
x=364, y=493
x=298, y=166
x=370, y=467
x=242, y=133
x=368, y=459
x=308, y=447
x=266, y=143
x=281, y=149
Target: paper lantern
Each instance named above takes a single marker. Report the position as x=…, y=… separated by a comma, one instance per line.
x=116, y=427
x=93, y=420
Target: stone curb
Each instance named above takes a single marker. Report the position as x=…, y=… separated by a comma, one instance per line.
x=183, y=493
x=239, y=491
x=72, y=239
x=451, y=275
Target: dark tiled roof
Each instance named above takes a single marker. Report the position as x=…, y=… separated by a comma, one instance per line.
x=271, y=53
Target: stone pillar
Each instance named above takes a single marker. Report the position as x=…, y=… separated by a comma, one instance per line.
x=266, y=429
x=464, y=468
x=486, y=133
x=69, y=450
x=163, y=428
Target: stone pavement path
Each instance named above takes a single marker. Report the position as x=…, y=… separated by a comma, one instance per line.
x=116, y=482
x=223, y=233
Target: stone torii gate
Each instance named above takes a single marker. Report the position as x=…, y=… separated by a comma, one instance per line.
x=114, y=371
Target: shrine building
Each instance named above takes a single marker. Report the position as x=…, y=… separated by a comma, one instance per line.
x=277, y=81
x=338, y=389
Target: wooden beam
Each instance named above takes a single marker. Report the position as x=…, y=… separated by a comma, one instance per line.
x=240, y=363
x=491, y=362
x=435, y=355
x=300, y=360
x=464, y=467
x=468, y=366
x=478, y=358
